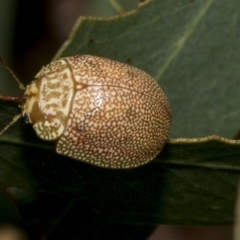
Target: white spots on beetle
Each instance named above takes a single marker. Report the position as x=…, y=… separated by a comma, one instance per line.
x=109, y=107
x=69, y=121
x=40, y=129
x=118, y=98
x=52, y=67
x=102, y=112
x=115, y=133
x=55, y=92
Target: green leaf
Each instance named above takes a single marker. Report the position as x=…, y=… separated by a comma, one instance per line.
x=190, y=47
x=185, y=184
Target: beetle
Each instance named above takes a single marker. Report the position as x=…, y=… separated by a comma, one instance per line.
x=98, y=111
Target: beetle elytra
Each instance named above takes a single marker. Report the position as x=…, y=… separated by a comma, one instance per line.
x=98, y=111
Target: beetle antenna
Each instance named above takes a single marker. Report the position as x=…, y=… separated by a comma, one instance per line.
x=4, y=64
x=15, y=119
x=11, y=99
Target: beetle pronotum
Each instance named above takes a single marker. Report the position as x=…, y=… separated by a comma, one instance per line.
x=98, y=111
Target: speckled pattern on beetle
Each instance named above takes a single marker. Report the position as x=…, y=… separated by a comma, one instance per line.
x=98, y=111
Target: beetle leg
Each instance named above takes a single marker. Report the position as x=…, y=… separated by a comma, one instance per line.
x=15, y=119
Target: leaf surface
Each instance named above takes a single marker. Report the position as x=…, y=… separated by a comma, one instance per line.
x=191, y=49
